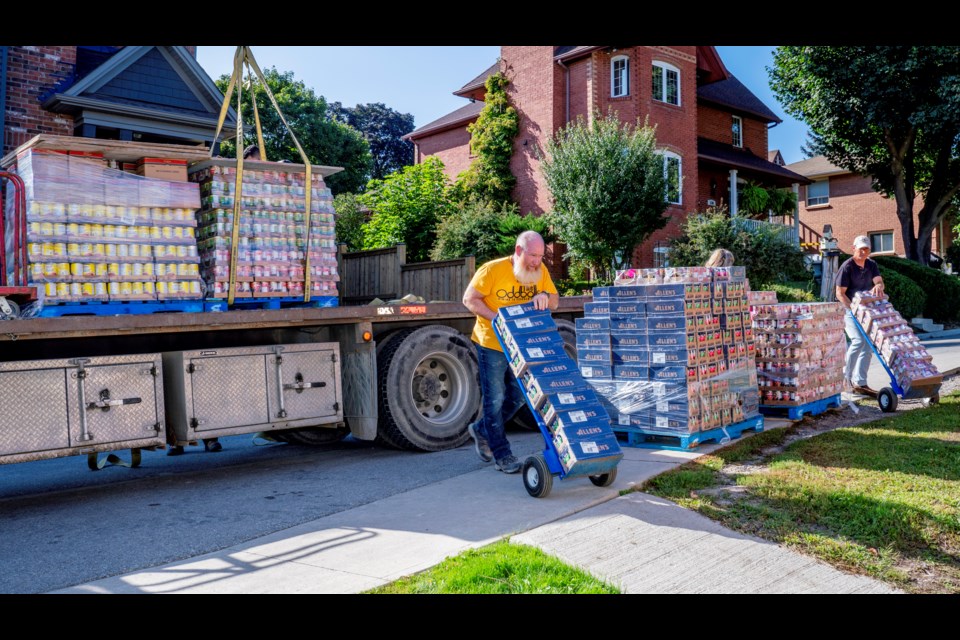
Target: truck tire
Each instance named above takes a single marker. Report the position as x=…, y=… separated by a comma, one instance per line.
x=428, y=389
x=312, y=436
x=568, y=331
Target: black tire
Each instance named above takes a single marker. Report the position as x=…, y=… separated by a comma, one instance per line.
x=604, y=479
x=312, y=436
x=887, y=400
x=537, y=479
x=428, y=389
x=524, y=419
x=934, y=399
x=568, y=331
x=383, y=437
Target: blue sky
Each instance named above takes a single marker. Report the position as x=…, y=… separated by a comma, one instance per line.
x=421, y=80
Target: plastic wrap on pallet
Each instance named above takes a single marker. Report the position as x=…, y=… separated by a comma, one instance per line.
x=96, y=234
x=273, y=228
x=681, y=358
x=800, y=350
x=906, y=357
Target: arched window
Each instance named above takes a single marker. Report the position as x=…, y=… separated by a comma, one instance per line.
x=666, y=83
x=619, y=77
x=673, y=172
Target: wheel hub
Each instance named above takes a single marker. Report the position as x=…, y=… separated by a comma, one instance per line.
x=431, y=388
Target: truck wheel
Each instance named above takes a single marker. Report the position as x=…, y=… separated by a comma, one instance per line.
x=568, y=331
x=524, y=419
x=428, y=389
x=312, y=436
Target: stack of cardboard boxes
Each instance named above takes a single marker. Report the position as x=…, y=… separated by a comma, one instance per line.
x=905, y=355
x=98, y=234
x=578, y=425
x=800, y=350
x=273, y=235
x=670, y=351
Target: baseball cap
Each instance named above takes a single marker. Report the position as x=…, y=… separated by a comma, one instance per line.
x=861, y=242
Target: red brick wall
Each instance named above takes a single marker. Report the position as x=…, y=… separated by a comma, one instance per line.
x=581, y=83
x=31, y=71
x=854, y=209
x=451, y=146
x=717, y=124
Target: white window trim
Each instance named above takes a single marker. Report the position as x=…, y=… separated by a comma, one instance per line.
x=670, y=155
x=663, y=68
x=737, y=143
x=626, y=76
x=821, y=200
x=893, y=241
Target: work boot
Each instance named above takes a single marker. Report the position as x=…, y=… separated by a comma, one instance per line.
x=509, y=464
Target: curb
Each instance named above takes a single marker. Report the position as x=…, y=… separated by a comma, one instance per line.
x=947, y=333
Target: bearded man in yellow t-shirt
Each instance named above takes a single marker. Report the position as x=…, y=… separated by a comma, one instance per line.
x=521, y=277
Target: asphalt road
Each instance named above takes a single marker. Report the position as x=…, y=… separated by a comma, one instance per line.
x=61, y=524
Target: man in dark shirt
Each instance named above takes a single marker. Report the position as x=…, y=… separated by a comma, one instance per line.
x=857, y=274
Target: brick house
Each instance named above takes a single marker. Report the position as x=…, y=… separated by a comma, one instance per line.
x=150, y=94
x=851, y=207
x=711, y=129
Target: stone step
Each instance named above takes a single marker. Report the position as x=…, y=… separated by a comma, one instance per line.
x=926, y=325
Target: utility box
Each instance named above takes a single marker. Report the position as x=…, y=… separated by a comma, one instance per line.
x=56, y=408
x=219, y=392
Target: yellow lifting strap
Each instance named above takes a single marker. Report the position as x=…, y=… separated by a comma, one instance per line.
x=244, y=57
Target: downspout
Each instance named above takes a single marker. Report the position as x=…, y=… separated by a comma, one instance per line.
x=566, y=78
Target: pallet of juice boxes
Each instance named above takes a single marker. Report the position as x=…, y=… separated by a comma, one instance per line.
x=273, y=234
x=800, y=352
x=905, y=357
x=102, y=234
x=574, y=424
x=670, y=352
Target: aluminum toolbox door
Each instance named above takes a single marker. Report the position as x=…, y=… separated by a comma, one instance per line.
x=121, y=400
x=227, y=391
x=33, y=408
x=308, y=380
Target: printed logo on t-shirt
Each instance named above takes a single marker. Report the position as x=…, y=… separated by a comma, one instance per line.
x=517, y=293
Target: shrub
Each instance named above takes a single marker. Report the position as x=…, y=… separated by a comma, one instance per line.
x=767, y=258
x=905, y=295
x=792, y=291
x=944, y=304
x=484, y=230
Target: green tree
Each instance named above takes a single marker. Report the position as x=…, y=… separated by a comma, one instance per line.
x=767, y=257
x=351, y=216
x=406, y=206
x=489, y=176
x=325, y=140
x=608, y=186
x=383, y=128
x=888, y=112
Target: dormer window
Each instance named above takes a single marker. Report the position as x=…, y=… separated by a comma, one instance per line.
x=666, y=83
x=619, y=77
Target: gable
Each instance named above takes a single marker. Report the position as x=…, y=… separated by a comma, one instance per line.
x=152, y=82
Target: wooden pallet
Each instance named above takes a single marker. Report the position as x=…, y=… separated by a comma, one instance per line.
x=797, y=411
x=658, y=439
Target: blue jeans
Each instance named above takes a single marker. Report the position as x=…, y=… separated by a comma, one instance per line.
x=858, y=354
x=502, y=398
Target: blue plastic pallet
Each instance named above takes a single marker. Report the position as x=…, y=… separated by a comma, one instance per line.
x=796, y=412
x=653, y=439
x=271, y=303
x=59, y=309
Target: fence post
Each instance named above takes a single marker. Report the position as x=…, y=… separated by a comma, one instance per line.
x=341, y=249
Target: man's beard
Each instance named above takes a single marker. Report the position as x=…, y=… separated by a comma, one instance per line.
x=524, y=276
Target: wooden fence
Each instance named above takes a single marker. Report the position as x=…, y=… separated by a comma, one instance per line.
x=385, y=274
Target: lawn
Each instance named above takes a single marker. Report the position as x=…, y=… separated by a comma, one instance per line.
x=880, y=499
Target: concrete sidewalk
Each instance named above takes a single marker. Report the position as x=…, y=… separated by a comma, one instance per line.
x=638, y=542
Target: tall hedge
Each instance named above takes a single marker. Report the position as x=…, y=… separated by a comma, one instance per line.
x=905, y=295
x=942, y=290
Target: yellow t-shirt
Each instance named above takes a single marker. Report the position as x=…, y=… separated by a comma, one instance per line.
x=495, y=280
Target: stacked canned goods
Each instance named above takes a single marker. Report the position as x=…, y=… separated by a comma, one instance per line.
x=94, y=235
x=272, y=235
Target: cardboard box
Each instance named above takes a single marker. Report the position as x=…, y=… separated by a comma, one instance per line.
x=635, y=357
x=593, y=339
x=637, y=323
x=592, y=324
x=163, y=169
x=622, y=340
x=592, y=356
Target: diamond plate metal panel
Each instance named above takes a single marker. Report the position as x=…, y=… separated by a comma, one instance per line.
x=132, y=383
x=228, y=391
x=33, y=411
x=302, y=372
